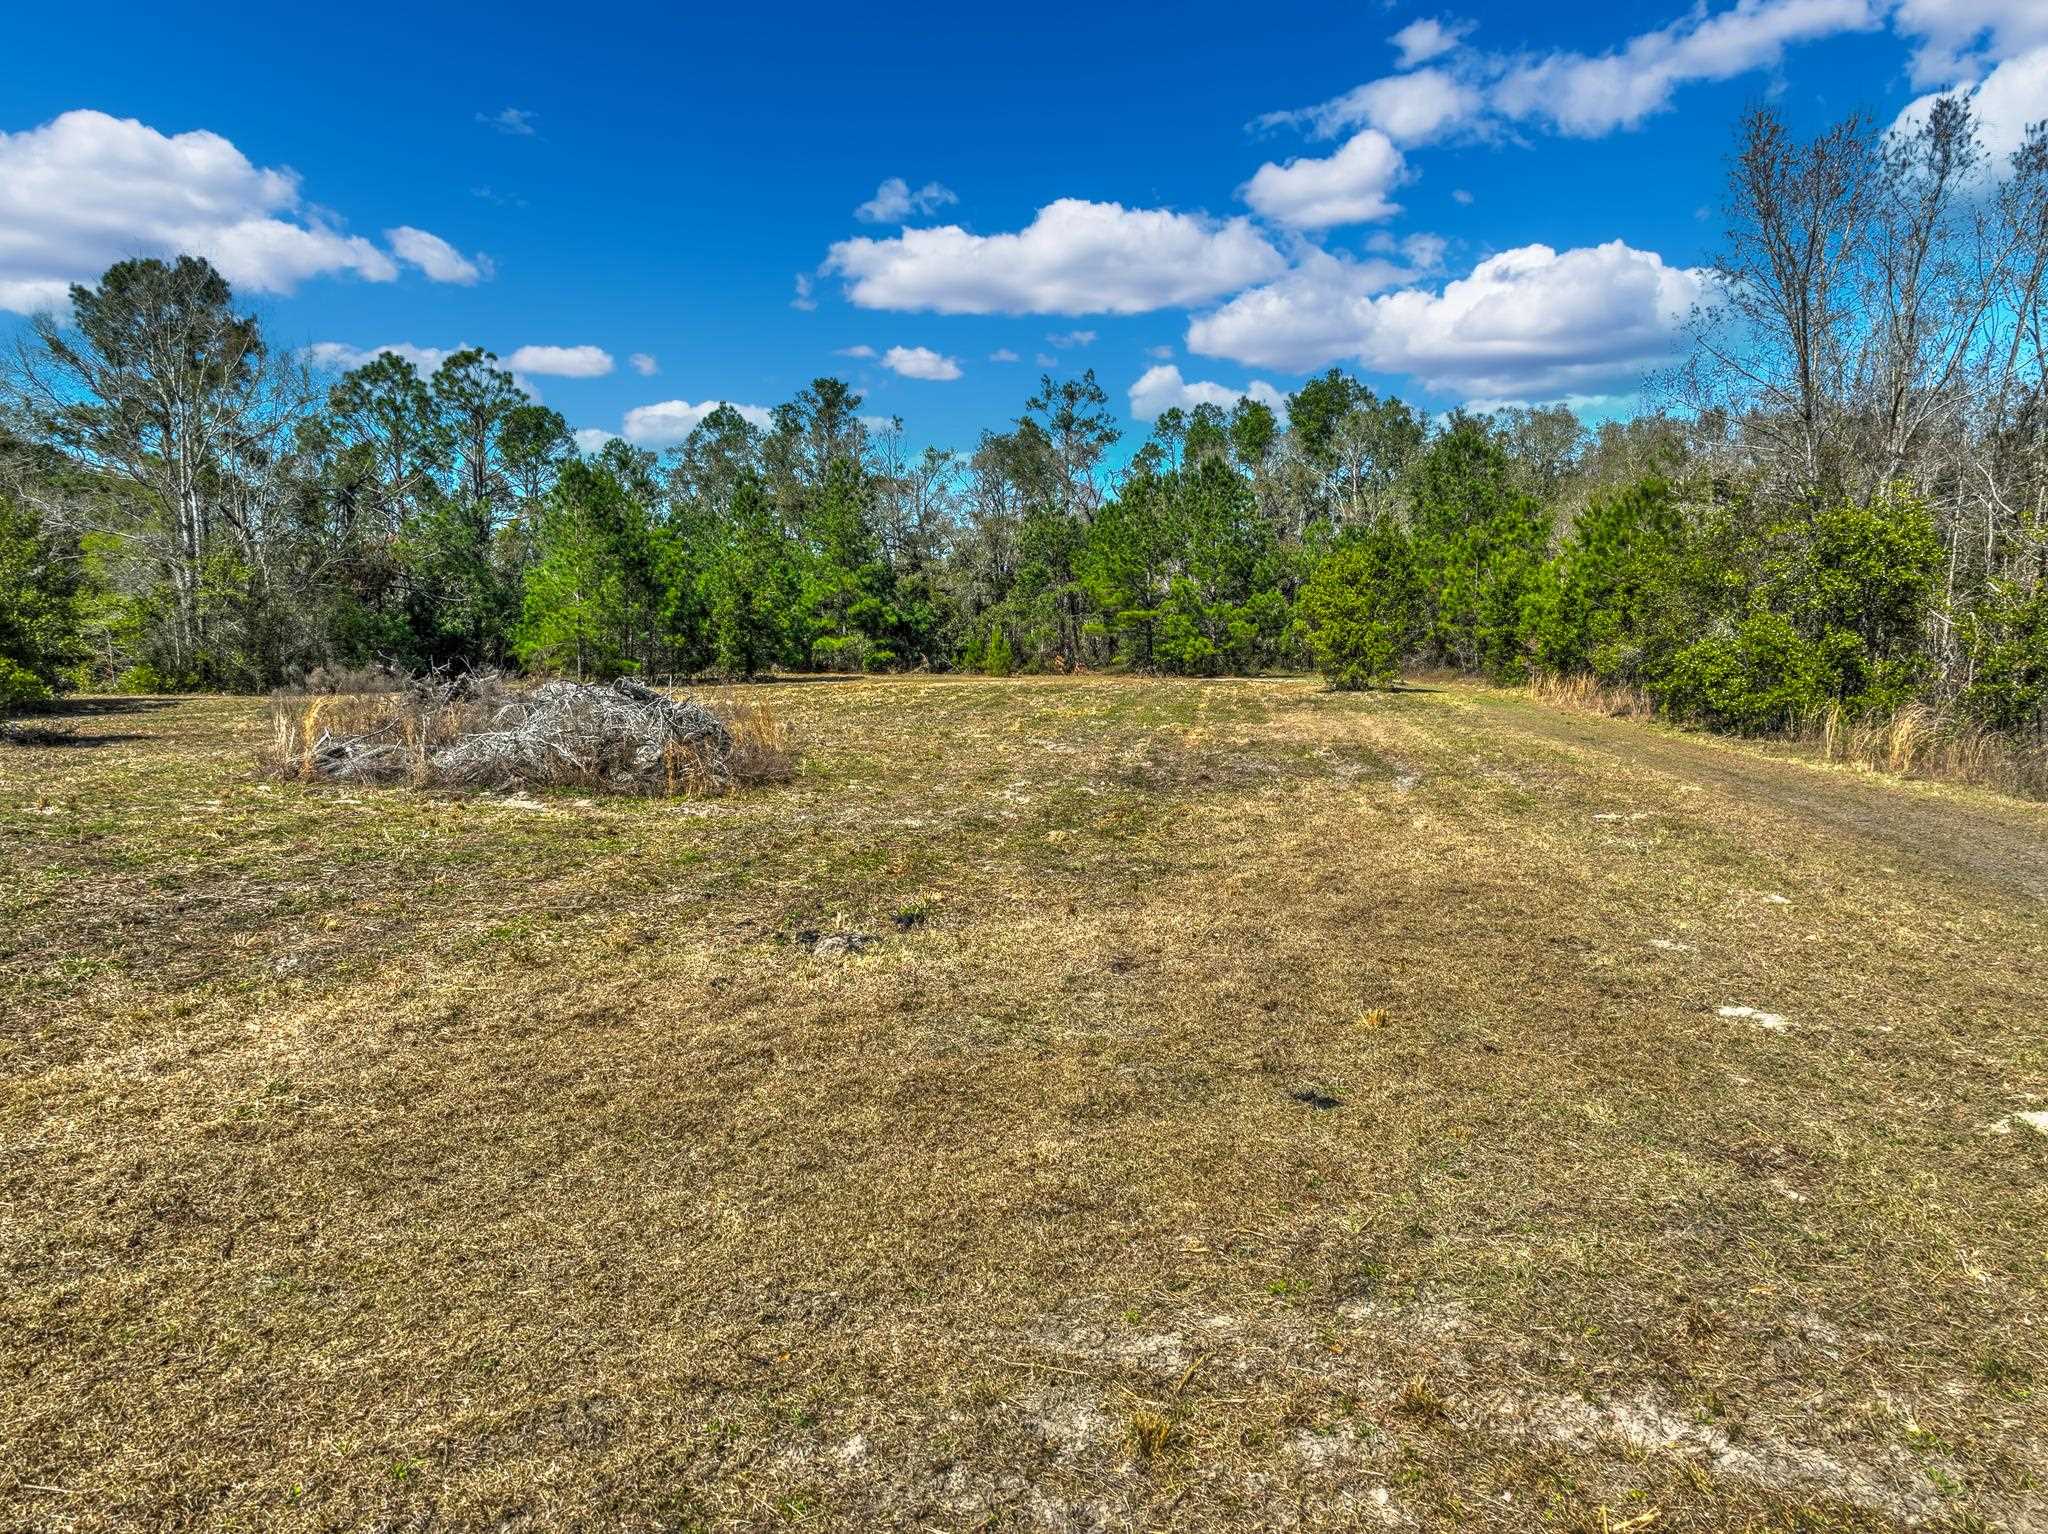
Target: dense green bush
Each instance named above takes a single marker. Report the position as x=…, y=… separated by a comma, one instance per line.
x=21, y=687
x=1361, y=612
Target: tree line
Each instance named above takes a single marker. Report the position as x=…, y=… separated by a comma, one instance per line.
x=1843, y=502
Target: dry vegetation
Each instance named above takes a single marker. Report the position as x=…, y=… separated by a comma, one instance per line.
x=1067, y=1105
x=1914, y=741
x=485, y=730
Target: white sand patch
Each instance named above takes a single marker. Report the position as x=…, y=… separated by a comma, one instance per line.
x=1772, y=1022
x=1069, y=1420
x=1776, y=900
x=2035, y=1119
x=1670, y=945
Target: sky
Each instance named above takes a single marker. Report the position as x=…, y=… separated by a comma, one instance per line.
x=645, y=212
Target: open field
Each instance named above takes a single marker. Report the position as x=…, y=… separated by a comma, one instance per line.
x=1262, y=1108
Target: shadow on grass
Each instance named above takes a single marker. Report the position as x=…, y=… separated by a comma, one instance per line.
x=26, y=735
x=99, y=708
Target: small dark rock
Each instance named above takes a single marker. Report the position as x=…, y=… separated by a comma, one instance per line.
x=1317, y=1099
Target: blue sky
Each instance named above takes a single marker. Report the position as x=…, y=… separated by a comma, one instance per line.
x=1474, y=203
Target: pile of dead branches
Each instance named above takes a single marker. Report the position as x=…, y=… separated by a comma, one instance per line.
x=479, y=730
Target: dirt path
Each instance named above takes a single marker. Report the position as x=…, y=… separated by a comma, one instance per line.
x=1974, y=837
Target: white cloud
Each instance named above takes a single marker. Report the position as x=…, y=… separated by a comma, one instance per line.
x=1003, y=354
x=1462, y=197
x=1304, y=320
x=1350, y=187
x=643, y=364
x=591, y=439
x=1046, y=360
x=435, y=256
x=894, y=201
x=1415, y=108
x=921, y=362
x=1586, y=95
x=863, y=352
x=85, y=190
x=1956, y=38
x=2009, y=99
x=341, y=357
x=1066, y=338
x=1160, y=389
x=1527, y=323
x=1159, y=353
x=1426, y=38
x=667, y=423
x=513, y=120
x=1075, y=257
x=561, y=361
x=803, y=299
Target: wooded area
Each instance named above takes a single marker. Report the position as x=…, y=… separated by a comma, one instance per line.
x=1844, y=503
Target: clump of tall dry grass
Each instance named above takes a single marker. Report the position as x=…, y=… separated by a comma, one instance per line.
x=1913, y=741
x=1582, y=690
x=1917, y=741
x=485, y=731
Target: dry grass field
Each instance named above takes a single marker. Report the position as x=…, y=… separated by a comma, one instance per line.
x=1256, y=1108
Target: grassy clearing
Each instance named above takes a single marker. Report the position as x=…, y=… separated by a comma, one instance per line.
x=1262, y=1108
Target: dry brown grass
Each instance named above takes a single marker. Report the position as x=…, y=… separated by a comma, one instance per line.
x=1915, y=741
x=385, y=1160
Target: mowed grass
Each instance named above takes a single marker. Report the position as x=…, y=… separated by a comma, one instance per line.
x=1263, y=1108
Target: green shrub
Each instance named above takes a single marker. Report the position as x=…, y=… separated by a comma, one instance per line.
x=21, y=687
x=1763, y=676
x=146, y=678
x=1360, y=613
x=2007, y=640
x=997, y=658
x=833, y=652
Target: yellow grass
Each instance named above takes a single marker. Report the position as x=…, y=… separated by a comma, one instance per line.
x=389, y=1159
x=1914, y=741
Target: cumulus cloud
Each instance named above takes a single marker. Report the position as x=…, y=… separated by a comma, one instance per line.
x=591, y=439
x=921, y=362
x=1349, y=187
x=341, y=357
x=85, y=190
x=1426, y=38
x=643, y=364
x=1303, y=320
x=1585, y=95
x=516, y=121
x=863, y=352
x=669, y=422
x=561, y=361
x=1066, y=338
x=1528, y=323
x=1958, y=39
x=1003, y=354
x=894, y=201
x=1160, y=353
x=803, y=299
x=1160, y=389
x=1075, y=257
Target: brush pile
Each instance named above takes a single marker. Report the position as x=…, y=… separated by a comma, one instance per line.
x=480, y=731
